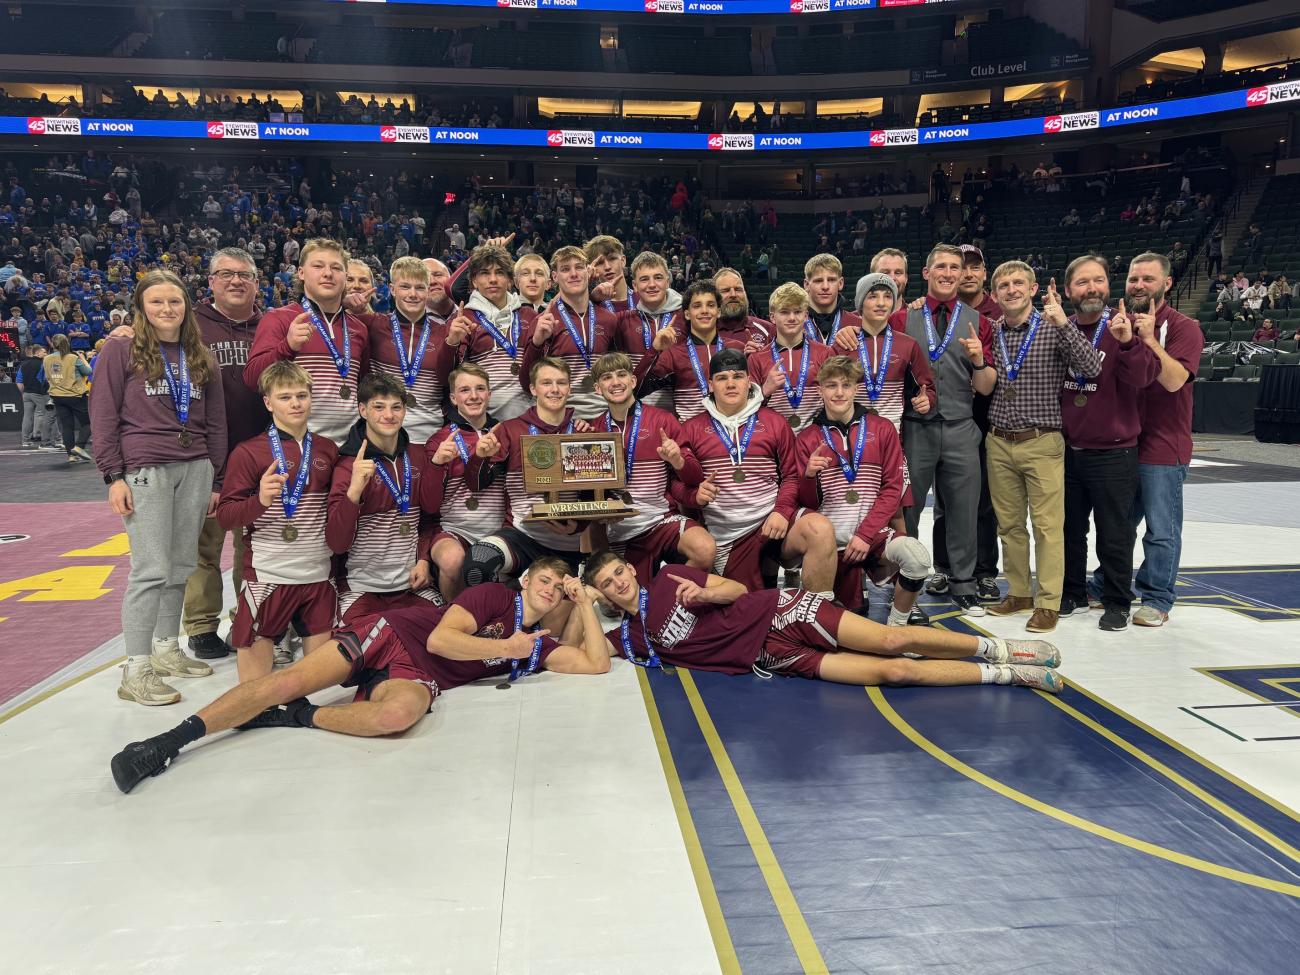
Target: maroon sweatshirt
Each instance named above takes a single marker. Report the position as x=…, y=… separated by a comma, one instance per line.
x=1112, y=416
x=1167, y=417
x=230, y=343
x=134, y=422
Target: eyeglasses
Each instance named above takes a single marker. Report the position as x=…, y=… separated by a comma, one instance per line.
x=225, y=276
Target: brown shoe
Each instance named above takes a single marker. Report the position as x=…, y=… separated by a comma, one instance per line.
x=1012, y=605
x=1043, y=621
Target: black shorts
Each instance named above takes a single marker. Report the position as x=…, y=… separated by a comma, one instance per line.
x=524, y=550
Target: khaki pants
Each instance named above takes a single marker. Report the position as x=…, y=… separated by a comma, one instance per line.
x=203, y=589
x=1029, y=478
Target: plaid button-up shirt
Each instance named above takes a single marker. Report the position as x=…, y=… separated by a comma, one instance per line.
x=1057, y=351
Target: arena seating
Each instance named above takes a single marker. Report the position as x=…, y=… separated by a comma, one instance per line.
x=349, y=44
x=874, y=47
x=177, y=34
x=998, y=40
x=1202, y=84
x=1026, y=108
x=683, y=50
x=37, y=30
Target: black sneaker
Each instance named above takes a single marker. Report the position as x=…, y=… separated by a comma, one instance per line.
x=986, y=588
x=938, y=584
x=281, y=716
x=209, y=646
x=1069, y=605
x=141, y=759
x=969, y=604
x=1113, y=619
x=917, y=617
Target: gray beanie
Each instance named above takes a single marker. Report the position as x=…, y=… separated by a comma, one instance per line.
x=869, y=282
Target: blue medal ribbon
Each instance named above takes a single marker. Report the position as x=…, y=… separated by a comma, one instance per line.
x=342, y=362
x=814, y=335
x=533, y=658
x=462, y=448
x=937, y=351
x=874, y=379
x=401, y=495
x=1013, y=369
x=794, y=394
x=695, y=363
x=290, y=497
x=537, y=433
x=629, y=446
x=584, y=348
x=665, y=320
x=626, y=627
x=1100, y=330
x=410, y=367
x=179, y=386
x=510, y=346
x=849, y=467
x=735, y=450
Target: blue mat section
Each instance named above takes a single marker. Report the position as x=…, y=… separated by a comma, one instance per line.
x=901, y=864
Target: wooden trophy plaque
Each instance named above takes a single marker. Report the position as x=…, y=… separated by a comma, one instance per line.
x=564, y=463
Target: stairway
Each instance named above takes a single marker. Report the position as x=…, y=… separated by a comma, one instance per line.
x=1236, y=225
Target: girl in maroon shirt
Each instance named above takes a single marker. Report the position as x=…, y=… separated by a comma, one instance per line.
x=157, y=415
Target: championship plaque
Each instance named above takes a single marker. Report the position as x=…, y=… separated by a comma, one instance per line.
x=556, y=463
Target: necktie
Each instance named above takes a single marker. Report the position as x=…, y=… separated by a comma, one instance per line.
x=941, y=320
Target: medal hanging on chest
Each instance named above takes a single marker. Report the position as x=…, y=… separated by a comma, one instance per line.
x=643, y=599
x=736, y=449
x=290, y=496
x=585, y=344
x=342, y=359
x=1013, y=368
x=793, y=394
x=696, y=368
x=401, y=494
x=849, y=467
x=1081, y=398
x=178, y=384
x=629, y=447
x=534, y=657
x=937, y=350
x=507, y=344
x=874, y=379
x=409, y=360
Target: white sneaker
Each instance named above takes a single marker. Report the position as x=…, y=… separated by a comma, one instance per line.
x=1150, y=616
x=1035, y=653
x=283, y=655
x=145, y=687
x=169, y=660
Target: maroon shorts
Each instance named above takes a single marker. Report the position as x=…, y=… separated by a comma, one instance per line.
x=354, y=605
x=376, y=655
x=848, y=576
x=803, y=631
x=267, y=610
x=654, y=545
x=742, y=560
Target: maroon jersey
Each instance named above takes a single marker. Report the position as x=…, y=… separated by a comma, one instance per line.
x=908, y=367
x=493, y=607
x=675, y=369
x=751, y=328
x=769, y=471
x=1111, y=412
x=725, y=639
x=425, y=415
x=482, y=473
x=1167, y=417
x=761, y=363
x=334, y=397
x=583, y=399
x=636, y=330
x=469, y=514
x=616, y=306
x=648, y=473
x=280, y=549
x=508, y=399
x=380, y=543
x=864, y=506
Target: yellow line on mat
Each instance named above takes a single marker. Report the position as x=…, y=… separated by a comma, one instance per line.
x=722, y=944
x=810, y=957
x=1096, y=829
x=46, y=695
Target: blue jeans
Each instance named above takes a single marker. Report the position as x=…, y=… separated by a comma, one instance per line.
x=1159, y=501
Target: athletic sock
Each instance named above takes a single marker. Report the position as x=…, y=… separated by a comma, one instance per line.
x=991, y=649
x=994, y=673
x=189, y=730
x=897, y=617
x=136, y=662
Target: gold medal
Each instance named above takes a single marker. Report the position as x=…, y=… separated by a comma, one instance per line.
x=1081, y=400
x=587, y=385
x=514, y=368
x=404, y=529
x=410, y=401
x=471, y=504
x=793, y=421
x=345, y=393
x=185, y=438
x=1009, y=392
x=738, y=475
x=851, y=497
x=289, y=533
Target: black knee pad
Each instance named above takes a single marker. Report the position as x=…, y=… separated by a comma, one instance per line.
x=482, y=564
x=911, y=585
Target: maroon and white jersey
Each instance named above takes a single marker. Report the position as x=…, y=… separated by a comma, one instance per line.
x=334, y=397
x=768, y=478
x=583, y=399
x=636, y=332
x=379, y=542
x=866, y=505
x=492, y=606
x=761, y=363
x=291, y=551
x=480, y=473
x=509, y=398
x=725, y=639
x=905, y=357
x=430, y=390
x=648, y=473
x=751, y=328
x=471, y=515
x=675, y=370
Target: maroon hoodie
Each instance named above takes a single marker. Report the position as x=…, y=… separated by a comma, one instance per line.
x=230, y=342
x=1112, y=415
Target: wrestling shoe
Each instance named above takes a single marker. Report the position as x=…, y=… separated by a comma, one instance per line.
x=141, y=759
x=145, y=687
x=1042, y=678
x=169, y=660
x=1149, y=616
x=938, y=584
x=918, y=617
x=283, y=655
x=1033, y=653
x=969, y=605
x=295, y=714
x=986, y=587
